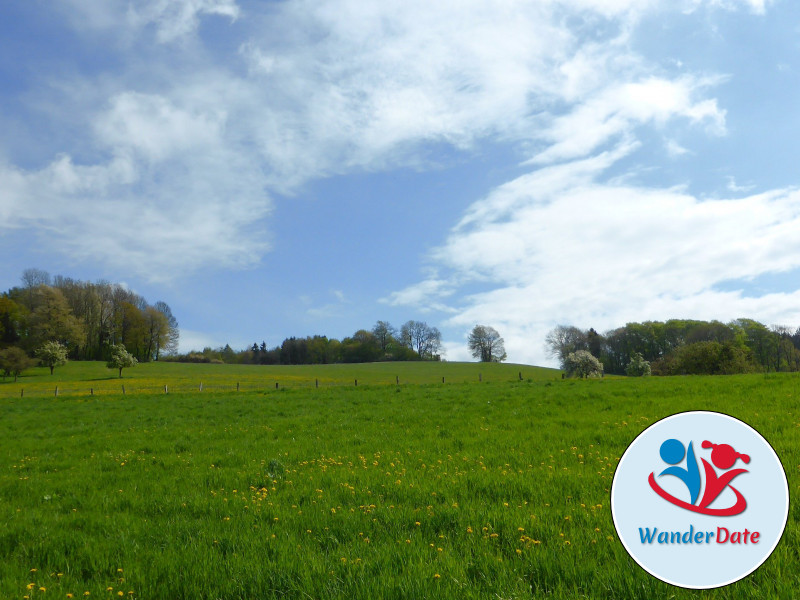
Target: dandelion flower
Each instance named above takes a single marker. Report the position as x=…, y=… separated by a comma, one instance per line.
x=437, y=576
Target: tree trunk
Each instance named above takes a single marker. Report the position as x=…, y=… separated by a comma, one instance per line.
x=120, y=372
x=51, y=370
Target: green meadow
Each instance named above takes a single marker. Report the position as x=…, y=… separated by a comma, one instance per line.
x=496, y=488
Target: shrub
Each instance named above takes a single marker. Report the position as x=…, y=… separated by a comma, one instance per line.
x=638, y=367
x=582, y=364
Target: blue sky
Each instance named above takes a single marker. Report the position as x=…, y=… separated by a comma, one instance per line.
x=308, y=167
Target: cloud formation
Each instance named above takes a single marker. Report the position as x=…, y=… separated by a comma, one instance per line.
x=560, y=245
x=186, y=148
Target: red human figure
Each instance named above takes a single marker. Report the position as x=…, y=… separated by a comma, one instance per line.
x=724, y=457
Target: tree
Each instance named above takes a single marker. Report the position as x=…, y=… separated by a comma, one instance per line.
x=638, y=367
x=12, y=321
x=486, y=344
x=419, y=336
x=52, y=320
x=52, y=354
x=14, y=361
x=156, y=332
x=32, y=278
x=583, y=364
x=384, y=333
x=173, y=333
x=120, y=358
x=564, y=340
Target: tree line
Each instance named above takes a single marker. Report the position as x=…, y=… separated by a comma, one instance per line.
x=682, y=347
x=415, y=340
x=85, y=319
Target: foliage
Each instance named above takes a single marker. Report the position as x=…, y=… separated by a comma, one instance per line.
x=51, y=319
x=85, y=317
x=52, y=355
x=379, y=344
x=424, y=339
x=708, y=358
x=385, y=333
x=741, y=346
x=13, y=361
x=563, y=341
x=638, y=366
x=582, y=364
x=486, y=344
x=120, y=358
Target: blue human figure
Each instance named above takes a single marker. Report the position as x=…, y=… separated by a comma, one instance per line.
x=672, y=452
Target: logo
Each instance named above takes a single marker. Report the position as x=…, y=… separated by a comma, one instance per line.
x=723, y=456
x=699, y=500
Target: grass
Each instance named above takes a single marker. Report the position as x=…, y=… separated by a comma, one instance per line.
x=465, y=490
x=82, y=378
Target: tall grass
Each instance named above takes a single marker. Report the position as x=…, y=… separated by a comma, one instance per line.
x=493, y=490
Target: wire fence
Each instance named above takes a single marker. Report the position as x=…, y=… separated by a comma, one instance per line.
x=71, y=389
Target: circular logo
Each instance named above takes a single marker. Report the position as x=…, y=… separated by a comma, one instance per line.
x=699, y=500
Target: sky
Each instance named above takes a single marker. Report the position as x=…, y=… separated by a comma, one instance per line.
x=299, y=167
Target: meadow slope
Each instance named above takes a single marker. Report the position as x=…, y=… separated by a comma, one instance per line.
x=464, y=490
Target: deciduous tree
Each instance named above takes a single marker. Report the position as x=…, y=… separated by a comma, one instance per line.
x=486, y=344
x=120, y=358
x=14, y=361
x=583, y=364
x=425, y=340
x=52, y=354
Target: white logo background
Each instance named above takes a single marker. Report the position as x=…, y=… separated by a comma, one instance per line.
x=635, y=505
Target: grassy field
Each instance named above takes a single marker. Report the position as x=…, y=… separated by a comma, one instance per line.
x=85, y=378
x=475, y=490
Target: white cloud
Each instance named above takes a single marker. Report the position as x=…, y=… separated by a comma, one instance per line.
x=172, y=19
x=674, y=149
x=176, y=169
x=177, y=18
x=198, y=340
x=617, y=110
x=153, y=127
x=561, y=246
x=175, y=194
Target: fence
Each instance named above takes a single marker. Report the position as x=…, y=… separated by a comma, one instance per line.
x=132, y=387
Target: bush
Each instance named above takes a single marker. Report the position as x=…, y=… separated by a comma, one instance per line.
x=582, y=364
x=707, y=358
x=638, y=367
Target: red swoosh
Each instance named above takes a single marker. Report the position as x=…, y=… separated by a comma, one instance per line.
x=737, y=508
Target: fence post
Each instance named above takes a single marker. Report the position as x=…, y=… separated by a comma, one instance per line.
x=237, y=386
x=520, y=375
x=480, y=377
x=123, y=389
x=316, y=382
x=356, y=382
x=442, y=379
x=166, y=390
x=201, y=386
x=21, y=392
x=276, y=385
x=56, y=391
x=91, y=391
